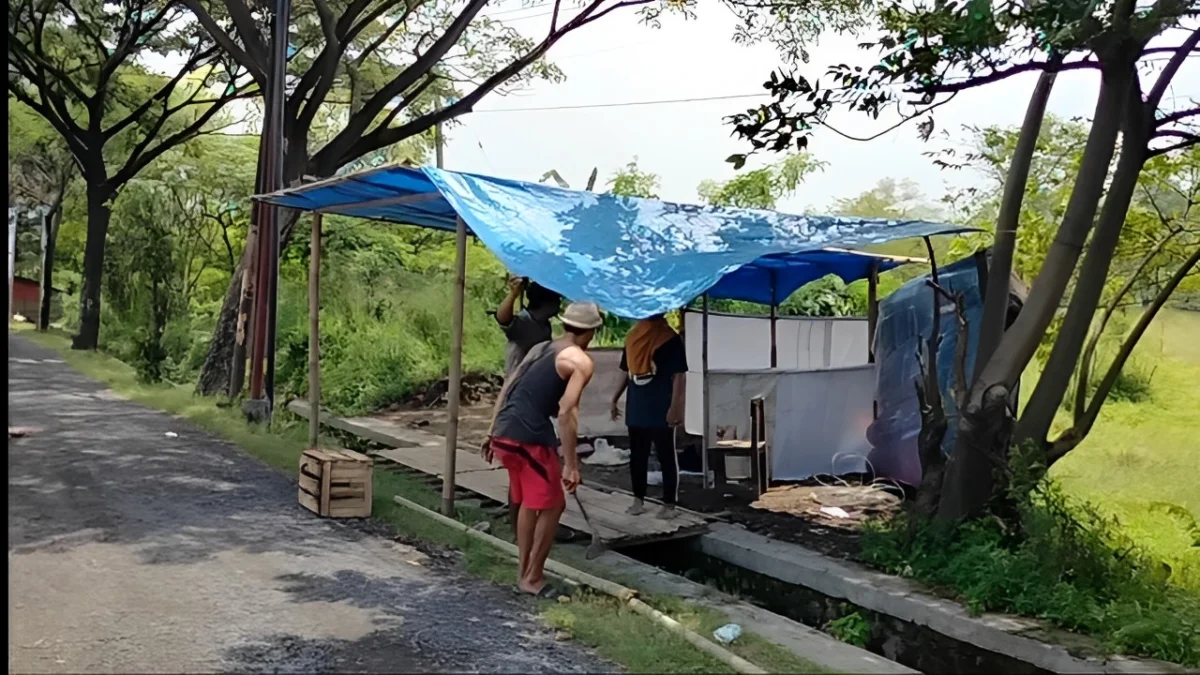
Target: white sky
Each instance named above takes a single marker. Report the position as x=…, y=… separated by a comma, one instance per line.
x=619, y=60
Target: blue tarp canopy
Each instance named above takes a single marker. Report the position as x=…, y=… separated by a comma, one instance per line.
x=633, y=257
x=771, y=279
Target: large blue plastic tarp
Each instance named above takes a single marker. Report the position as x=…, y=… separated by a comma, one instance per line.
x=633, y=257
x=905, y=322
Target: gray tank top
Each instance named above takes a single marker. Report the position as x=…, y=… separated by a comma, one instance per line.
x=532, y=399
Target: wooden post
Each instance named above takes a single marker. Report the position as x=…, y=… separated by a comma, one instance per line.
x=454, y=390
x=314, y=333
x=704, y=374
x=872, y=309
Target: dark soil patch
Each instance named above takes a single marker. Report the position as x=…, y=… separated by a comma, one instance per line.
x=476, y=388
x=733, y=504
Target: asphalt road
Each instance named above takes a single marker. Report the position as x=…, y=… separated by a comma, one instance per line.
x=135, y=550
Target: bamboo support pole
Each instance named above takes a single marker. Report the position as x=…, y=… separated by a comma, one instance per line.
x=704, y=384
x=628, y=596
x=314, y=333
x=774, y=322
x=872, y=310
x=712, y=649
x=454, y=390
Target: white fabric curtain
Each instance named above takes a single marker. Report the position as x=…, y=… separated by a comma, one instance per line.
x=744, y=343
x=816, y=420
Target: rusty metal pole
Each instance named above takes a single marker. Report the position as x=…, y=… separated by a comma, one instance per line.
x=258, y=406
x=454, y=390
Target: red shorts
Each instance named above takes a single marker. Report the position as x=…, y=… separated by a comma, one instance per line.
x=534, y=474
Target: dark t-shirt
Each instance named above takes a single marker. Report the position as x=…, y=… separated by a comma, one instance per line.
x=523, y=332
x=646, y=405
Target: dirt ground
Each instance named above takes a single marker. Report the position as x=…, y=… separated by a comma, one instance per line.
x=473, y=420
x=803, y=525
x=137, y=543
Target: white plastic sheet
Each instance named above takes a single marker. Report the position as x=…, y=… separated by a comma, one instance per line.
x=816, y=420
x=744, y=343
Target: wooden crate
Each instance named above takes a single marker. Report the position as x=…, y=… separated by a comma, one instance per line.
x=336, y=483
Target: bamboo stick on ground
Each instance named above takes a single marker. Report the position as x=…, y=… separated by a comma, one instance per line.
x=622, y=593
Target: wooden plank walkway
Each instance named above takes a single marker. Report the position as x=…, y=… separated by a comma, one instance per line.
x=424, y=452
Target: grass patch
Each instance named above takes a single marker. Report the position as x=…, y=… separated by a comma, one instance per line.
x=1139, y=463
x=615, y=632
x=602, y=623
x=702, y=619
x=1074, y=568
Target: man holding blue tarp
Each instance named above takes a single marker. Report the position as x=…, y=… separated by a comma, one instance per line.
x=527, y=327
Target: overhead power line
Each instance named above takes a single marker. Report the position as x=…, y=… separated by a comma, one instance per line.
x=623, y=104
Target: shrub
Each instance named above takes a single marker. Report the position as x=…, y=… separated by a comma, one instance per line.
x=1068, y=564
x=852, y=628
x=382, y=340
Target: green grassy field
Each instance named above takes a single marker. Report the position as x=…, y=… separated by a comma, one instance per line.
x=616, y=633
x=1141, y=458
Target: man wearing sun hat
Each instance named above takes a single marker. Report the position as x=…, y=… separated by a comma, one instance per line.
x=547, y=385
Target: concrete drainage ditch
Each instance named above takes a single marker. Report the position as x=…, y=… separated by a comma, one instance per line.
x=907, y=643
x=889, y=616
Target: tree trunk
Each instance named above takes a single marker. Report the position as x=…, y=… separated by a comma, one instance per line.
x=216, y=375
x=51, y=223
x=982, y=441
x=933, y=418
x=995, y=301
x=99, y=214
x=1089, y=348
x=1035, y=422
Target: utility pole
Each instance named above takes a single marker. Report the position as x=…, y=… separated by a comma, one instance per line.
x=12, y=250
x=259, y=406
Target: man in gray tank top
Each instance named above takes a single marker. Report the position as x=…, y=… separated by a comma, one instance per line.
x=547, y=385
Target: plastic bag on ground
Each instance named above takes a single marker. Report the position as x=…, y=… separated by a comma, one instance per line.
x=727, y=633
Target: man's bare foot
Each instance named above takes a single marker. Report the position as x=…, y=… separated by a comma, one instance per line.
x=530, y=588
x=540, y=590
x=638, y=508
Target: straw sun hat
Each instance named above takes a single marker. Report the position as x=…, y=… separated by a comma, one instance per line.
x=582, y=315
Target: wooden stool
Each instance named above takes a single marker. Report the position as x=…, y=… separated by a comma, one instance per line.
x=756, y=449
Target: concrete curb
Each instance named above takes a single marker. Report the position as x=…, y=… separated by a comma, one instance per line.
x=805, y=642
x=907, y=601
